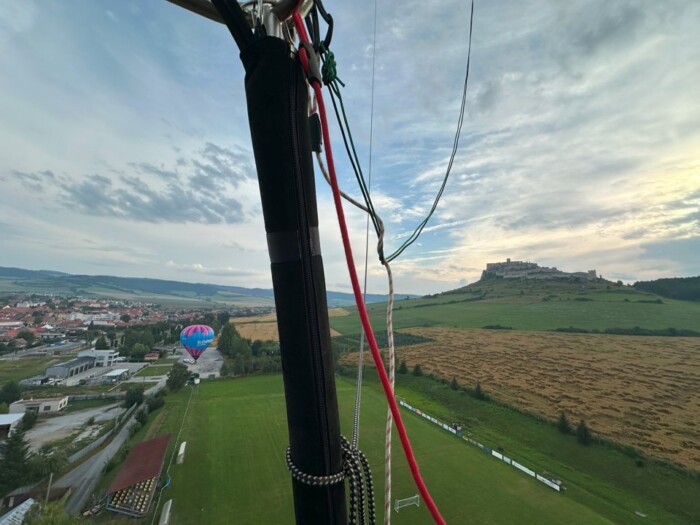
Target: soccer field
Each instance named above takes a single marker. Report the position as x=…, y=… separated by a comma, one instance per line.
x=234, y=469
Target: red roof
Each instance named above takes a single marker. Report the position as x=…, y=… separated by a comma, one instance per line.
x=145, y=461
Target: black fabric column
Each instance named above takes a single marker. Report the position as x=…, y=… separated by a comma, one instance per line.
x=277, y=98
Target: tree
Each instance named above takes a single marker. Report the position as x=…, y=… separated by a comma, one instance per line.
x=227, y=340
x=138, y=351
x=223, y=318
x=125, y=318
x=27, y=335
x=417, y=371
x=14, y=471
x=46, y=461
x=134, y=396
x=101, y=343
x=141, y=416
x=403, y=369
x=478, y=392
x=563, y=424
x=4, y=408
x=179, y=375
x=225, y=369
x=29, y=420
x=583, y=434
x=11, y=392
x=51, y=513
x=454, y=385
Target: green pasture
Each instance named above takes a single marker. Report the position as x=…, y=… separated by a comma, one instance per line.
x=18, y=369
x=154, y=370
x=525, y=305
x=234, y=466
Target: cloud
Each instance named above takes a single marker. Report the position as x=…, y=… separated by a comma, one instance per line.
x=200, y=189
x=221, y=271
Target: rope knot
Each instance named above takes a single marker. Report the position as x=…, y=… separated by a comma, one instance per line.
x=329, y=70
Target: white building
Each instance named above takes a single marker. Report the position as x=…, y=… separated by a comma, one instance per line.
x=87, y=318
x=119, y=374
x=8, y=424
x=40, y=406
x=102, y=357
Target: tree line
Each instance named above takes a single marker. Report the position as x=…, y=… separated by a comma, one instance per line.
x=243, y=356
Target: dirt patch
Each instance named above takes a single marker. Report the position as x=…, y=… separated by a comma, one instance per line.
x=641, y=391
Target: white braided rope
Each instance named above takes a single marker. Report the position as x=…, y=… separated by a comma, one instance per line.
x=389, y=417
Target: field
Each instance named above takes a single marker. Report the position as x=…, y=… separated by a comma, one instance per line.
x=236, y=434
x=154, y=370
x=264, y=327
x=534, y=306
x=640, y=391
x=234, y=468
x=17, y=369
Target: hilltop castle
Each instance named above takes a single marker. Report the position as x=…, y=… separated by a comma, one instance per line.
x=527, y=270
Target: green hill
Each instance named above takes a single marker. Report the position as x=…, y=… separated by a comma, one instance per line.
x=685, y=288
x=538, y=305
x=18, y=280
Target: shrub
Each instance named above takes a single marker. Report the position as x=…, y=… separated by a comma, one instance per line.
x=29, y=420
x=141, y=416
x=563, y=424
x=403, y=369
x=454, y=385
x=583, y=434
x=154, y=402
x=417, y=371
x=479, y=393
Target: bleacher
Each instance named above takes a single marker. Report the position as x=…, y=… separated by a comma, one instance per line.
x=133, y=489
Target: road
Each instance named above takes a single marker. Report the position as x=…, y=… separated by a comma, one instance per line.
x=85, y=476
x=208, y=364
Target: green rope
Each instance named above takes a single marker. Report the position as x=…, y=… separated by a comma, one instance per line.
x=329, y=69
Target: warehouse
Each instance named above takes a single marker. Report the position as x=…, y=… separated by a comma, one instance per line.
x=71, y=368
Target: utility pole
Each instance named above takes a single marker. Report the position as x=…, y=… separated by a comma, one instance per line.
x=277, y=98
x=48, y=489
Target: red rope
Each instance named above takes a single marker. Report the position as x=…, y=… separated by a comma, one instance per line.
x=367, y=327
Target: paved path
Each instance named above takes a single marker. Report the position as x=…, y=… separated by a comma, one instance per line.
x=85, y=476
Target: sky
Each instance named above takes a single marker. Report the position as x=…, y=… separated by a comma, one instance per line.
x=125, y=148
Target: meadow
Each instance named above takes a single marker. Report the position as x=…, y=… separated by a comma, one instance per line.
x=234, y=466
x=18, y=369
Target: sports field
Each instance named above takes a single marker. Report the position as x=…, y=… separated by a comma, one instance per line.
x=234, y=467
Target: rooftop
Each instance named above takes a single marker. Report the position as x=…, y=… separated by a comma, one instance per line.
x=145, y=461
x=116, y=372
x=9, y=419
x=75, y=362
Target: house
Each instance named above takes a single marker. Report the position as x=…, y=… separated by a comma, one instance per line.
x=49, y=405
x=71, y=368
x=102, y=357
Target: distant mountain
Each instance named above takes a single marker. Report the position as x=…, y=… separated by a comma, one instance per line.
x=684, y=288
x=142, y=289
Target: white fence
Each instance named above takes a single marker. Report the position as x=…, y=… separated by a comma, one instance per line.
x=552, y=483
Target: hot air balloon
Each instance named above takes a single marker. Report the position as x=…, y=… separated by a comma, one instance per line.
x=196, y=338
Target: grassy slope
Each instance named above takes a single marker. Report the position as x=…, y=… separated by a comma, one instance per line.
x=541, y=306
x=603, y=478
x=234, y=467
